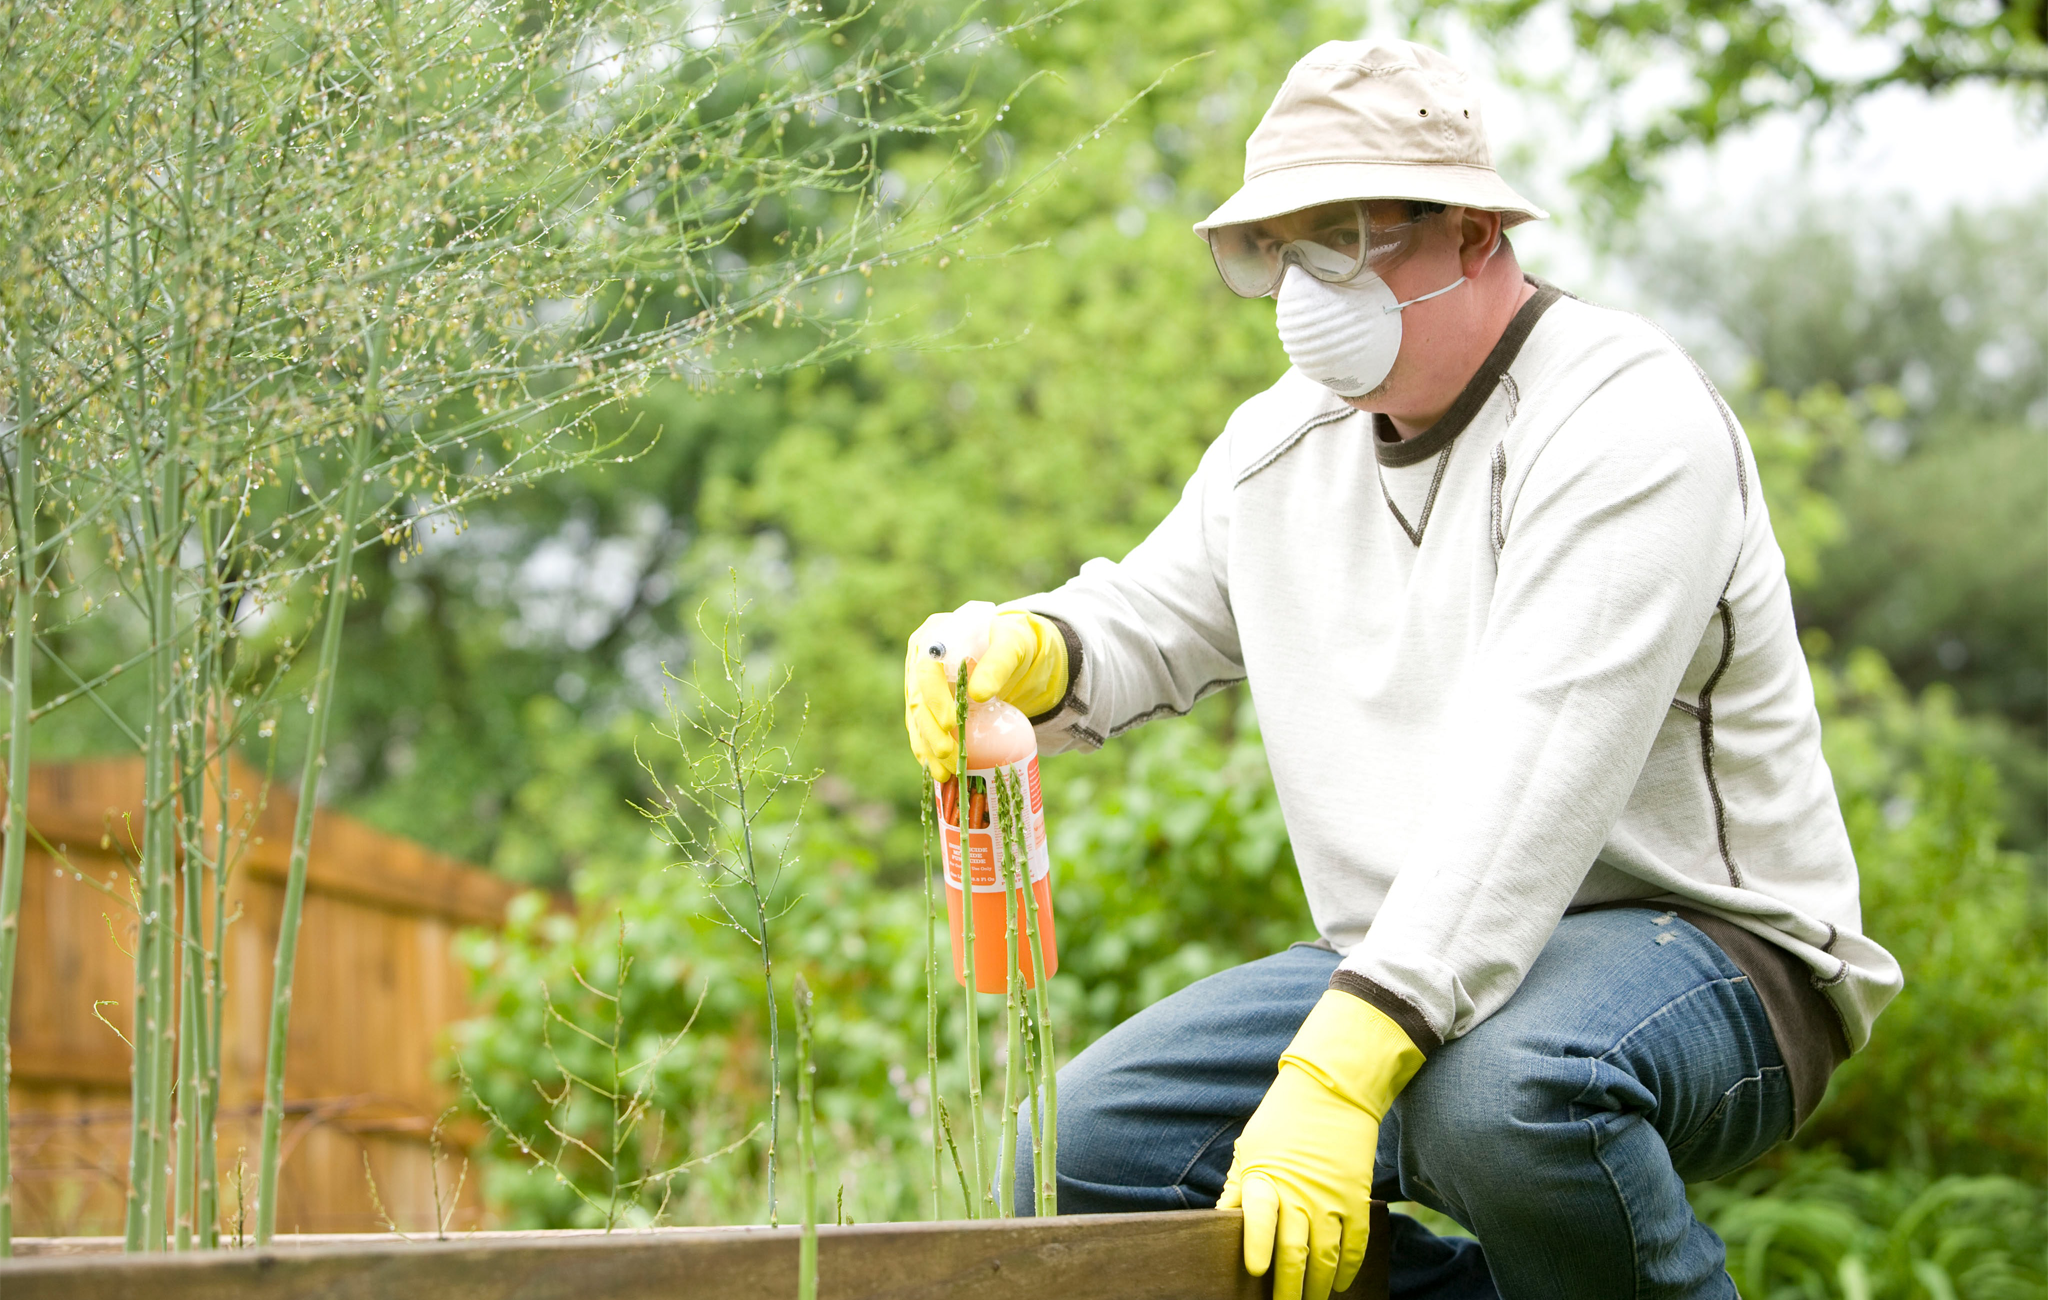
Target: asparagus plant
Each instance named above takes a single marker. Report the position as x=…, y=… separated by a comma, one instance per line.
x=807, y=1154
x=1045, y=1097
x=931, y=994
x=594, y=1134
x=1001, y=804
x=735, y=777
x=1045, y=1092
x=24, y=502
x=982, y=1203
x=325, y=275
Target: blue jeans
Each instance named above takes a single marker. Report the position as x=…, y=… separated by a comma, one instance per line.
x=1561, y=1132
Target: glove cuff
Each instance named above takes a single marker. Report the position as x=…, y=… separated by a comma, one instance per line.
x=1071, y=659
x=1354, y=1050
x=1041, y=684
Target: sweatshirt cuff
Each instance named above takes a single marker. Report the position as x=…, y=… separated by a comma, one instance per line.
x=1074, y=662
x=1391, y=1005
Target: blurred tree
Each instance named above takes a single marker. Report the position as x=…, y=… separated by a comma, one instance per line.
x=832, y=491
x=1933, y=446
x=1721, y=65
x=1950, y=312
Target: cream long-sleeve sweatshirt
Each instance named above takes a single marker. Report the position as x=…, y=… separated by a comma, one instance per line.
x=1541, y=656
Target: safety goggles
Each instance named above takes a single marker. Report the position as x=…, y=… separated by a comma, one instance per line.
x=1335, y=243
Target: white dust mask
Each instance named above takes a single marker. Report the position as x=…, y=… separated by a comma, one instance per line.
x=1343, y=336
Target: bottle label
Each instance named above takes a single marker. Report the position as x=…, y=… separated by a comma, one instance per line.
x=986, y=816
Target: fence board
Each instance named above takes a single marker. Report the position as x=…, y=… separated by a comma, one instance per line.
x=1185, y=1256
x=377, y=985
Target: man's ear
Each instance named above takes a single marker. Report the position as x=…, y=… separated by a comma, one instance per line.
x=1479, y=235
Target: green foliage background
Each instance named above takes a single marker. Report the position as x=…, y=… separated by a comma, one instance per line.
x=1053, y=383
x=1035, y=397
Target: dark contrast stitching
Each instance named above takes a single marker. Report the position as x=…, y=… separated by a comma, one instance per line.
x=1287, y=444
x=1833, y=934
x=1514, y=392
x=1428, y=502
x=1500, y=480
x=1705, y=713
x=1734, y=432
x=1721, y=405
x=1168, y=710
x=1683, y=707
x=1086, y=735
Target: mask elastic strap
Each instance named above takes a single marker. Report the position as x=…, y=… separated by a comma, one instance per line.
x=1427, y=296
x=1498, y=235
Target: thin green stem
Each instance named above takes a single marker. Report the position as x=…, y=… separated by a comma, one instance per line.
x=621, y=1121
x=1002, y=818
x=13, y=866
x=931, y=992
x=164, y=529
x=1045, y=1136
x=209, y=1157
x=191, y=1033
x=767, y=986
x=807, y=1151
x=185, y=427
x=193, y=958
x=143, y=1041
x=213, y=849
x=982, y=1202
x=953, y=1149
x=309, y=786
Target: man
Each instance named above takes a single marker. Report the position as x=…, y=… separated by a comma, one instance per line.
x=1497, y=569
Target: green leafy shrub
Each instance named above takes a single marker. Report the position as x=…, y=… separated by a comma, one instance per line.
x=1818, y=1228
x=1953, y=1078
x=1175, y=831
x=551, y=974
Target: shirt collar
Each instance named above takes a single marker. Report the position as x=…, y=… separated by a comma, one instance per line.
x=1394, y=451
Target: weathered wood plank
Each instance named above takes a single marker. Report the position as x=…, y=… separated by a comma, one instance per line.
x=1186, y=1256
x=77, y=804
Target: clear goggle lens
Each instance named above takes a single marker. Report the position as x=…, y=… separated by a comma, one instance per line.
x=1334, y=243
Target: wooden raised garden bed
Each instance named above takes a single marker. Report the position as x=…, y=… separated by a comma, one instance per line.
x=1186, y=1256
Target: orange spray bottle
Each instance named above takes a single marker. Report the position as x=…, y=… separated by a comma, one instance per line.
x=1001, y=762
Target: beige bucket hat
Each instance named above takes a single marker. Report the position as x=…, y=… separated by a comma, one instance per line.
x=1370, y=120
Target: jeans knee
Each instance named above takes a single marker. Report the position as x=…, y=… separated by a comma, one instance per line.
x=1092, y=1122
x=1025, y=1166
x=1480, y=1112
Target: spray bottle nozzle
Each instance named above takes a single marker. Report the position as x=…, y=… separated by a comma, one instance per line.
x=962, y=634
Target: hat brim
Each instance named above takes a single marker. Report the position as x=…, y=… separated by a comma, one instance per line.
x=1290, y=189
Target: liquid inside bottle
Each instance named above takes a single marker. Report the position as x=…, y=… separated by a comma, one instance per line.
x=1003, y=831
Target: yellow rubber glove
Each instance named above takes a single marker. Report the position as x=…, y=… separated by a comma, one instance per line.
x=1302, y=1171
x=1026, y=664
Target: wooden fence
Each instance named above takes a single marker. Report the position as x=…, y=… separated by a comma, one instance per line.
x=377, y=986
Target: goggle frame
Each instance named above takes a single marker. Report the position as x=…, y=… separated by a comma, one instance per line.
x=1382, y=253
